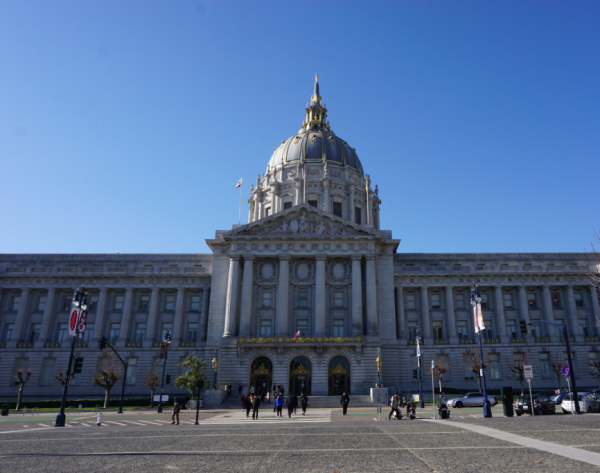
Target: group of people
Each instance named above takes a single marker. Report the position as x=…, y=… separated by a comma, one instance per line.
x=255, y=397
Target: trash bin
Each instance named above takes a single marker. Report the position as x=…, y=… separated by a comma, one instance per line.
x=5, y=410
x=507, y=401
x=443, y=408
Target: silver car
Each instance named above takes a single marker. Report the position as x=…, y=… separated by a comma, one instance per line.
x=588, y=402
x=470, y=399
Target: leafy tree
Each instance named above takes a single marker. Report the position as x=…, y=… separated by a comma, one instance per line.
x=152, y=381
x=22, y=378
x=193, y=374
x=107, y=375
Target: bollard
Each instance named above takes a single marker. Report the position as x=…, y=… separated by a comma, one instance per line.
x=99, y=420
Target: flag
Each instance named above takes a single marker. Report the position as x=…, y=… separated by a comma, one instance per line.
x=297, y=335
x=304, y=173
x=478, y=317
x=239, y=182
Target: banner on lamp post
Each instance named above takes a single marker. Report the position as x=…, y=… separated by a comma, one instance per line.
x=74, y=321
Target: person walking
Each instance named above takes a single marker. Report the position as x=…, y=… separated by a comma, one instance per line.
x=255, y=406
x=176, y=409
x=252, y=390
x=344, y=403
x=248, y=405
x=243, y=401
x=240, y=390
x=281, y=390
x=290, y=404
x=395, y=405
x=279, y=405
x=274, y=391
x=295, y=398
x=304, y=402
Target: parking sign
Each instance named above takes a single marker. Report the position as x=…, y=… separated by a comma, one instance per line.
x=528, y=371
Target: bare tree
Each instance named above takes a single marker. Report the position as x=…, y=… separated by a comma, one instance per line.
x=594, y=259
x=22, y=378
x=520, y=359
x=107, y=375
x=473, y=363
x=62, y=379
x=152, y=381
x=557, y=366
x=441, y=365
x=595, y=364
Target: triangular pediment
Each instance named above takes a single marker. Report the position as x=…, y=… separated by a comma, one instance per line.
x=302, y=221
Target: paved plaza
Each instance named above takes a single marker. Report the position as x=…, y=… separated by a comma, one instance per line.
x=323, y=441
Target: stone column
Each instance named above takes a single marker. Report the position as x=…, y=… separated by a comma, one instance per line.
x=574, y=328
x=100, y=315
x=204, y=314
x=357, y=307
x=351, y=204
x=251, y=207
x=298, y=189
x=320, y=295
x=450, y=316
x=549, y=315
x=232, y=295
x=247, y=286
x=326, y=196
x=400, y=315
x=372, y=316
x=426, y=333
x=500, y=317
x=152, y=316
x=46, y=318
x=179, y=317
x=595, y=304
x=524, y=309
x=126, y=318
x=283, y=300
x=20, y=320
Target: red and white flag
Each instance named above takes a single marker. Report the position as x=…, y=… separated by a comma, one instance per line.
x=297, y=335
x=239, y=184
x=304, y=173
x=478, y=317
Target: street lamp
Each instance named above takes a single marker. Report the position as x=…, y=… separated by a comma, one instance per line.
x=378, y=361
x=476, y=303
x=215, y=365
x=418, y=339
x=164, y=350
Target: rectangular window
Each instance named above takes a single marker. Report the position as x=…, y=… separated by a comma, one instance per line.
x=118, y=303
x=484, y=301
x=8, y=331
x=357, y=215
x=47, y=374
x=267, y=299
x=459, y=301
x=313, y=203
x=414, y=366
x=302, y=327
x=508, y=299
x=545, y=365
x=303, y=299
x=467, y=366
x=144, y=303
x=41, y=303
x=338, y=299
x=494, y=366
x=412, y=330
x=170, y=302
x=338, y=327
x=287, y=205
x=114, y=332
x=411, y=301
x=435, y=301
x=437, y=330
x=67, y=301
x=579, y=299
x=132, y=365
x=555, y=299
x=166, y=326
x=93, y=302
x=62, y=332
x=487, y=333
x=140, y=332
x=531, y=300
x=34, y=332
x=195, y=303
x=267, y=211
x=511, y=328
x=337, y=209
x=583, y=327
x=265, y=328
x=14, y=303
x=192, y=332
x=462, y=330
x=20, y=365
x=88, y=334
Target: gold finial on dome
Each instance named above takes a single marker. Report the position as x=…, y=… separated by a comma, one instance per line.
x=316, y=77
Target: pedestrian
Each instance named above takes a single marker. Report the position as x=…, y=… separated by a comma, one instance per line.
x=255, y=406
x=176, y=409
x=295, y=402
x=290, y=404
x=240, y=391
x=279, y=405
x=404, y=400
x=344, y=403
x=304, y=401
x=268, y=398
x=248, y=405
x=274, y=391
x=252, y=391
x=243, y=400
x=395, y=405
x=281, y=390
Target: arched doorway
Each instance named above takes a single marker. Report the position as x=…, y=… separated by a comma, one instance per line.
x=339, y=376
x=300, y=376
x=261, y=375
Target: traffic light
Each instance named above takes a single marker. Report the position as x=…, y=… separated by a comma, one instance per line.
x=78, y=365
x=102, y=343
x=523, y=326
x=168, y=379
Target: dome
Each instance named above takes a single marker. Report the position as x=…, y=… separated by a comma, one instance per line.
x=316, y=146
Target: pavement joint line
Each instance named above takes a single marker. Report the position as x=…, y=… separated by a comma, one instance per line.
x=542, y=445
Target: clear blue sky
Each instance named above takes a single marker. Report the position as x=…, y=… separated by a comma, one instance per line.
x=124, y=126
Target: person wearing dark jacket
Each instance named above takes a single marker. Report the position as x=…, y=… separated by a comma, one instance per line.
x=248, y=405
x=281, y=390
x=290, y=404
x=240, y=390
x=295, y=402
x=255, y=406
x=279, y=405
x=344, y=403
x=304, y=402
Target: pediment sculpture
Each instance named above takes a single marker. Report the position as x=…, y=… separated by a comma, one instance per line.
x=302, y=225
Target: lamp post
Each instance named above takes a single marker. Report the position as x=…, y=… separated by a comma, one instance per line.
x=215, y=365
x=418, y=339
x=476, y=303
x=164, y=350
x=378, y=361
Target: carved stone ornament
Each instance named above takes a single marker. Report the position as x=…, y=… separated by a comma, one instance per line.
x=338, y=269
x=303, y=269
x=313, y=171
x=336, y=173
x=266, y=270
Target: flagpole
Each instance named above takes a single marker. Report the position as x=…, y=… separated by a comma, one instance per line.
x=240, y=212
x=304, y=183
x=368, y=210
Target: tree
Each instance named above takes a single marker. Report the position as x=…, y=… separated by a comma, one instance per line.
x=595, y=365
x=22, y=378
x=441, y=365
x=107, y=375
x=473, y=363
x=152, y=381
x=557, y=366
x=193, y=374
x=520, y=359
x=62, y=379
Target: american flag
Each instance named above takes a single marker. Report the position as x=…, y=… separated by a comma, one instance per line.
x=297, y=335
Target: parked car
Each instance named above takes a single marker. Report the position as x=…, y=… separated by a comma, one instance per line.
x=470, y=399
x=541, y=404
x=588, y=402
x=558, y=398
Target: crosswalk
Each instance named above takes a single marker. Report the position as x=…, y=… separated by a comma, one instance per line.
x=268, y=417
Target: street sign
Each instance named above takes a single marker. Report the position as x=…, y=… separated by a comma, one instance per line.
x=566, y=371
x=528, y=371
x=73, y=321
x=165, y=398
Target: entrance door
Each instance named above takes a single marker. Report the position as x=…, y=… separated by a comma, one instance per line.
x=339, y=376
x=300, y=376
x=261, y=371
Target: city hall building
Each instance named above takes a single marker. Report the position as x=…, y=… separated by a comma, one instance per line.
x=307, y=294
